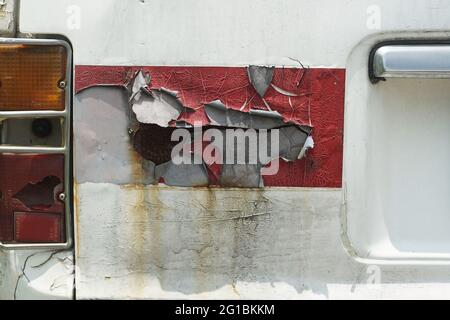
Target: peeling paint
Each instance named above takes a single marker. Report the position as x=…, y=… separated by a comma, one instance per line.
x=156, y=113
x=154, y=144
x=159, y=108
x=157, y=100
x=261, y=78
x=219, y=114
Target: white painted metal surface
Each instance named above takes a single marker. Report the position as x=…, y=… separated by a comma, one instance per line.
x=142, y=242
x=397, y=153
x=307, y=243
x=230, y=33
x=36, y=275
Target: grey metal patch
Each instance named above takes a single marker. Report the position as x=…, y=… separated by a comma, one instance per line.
x=261, y=77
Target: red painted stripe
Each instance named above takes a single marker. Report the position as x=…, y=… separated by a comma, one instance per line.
x=319, y=102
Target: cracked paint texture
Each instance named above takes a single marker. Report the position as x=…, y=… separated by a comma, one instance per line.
x=39, y=275
x=312, y=97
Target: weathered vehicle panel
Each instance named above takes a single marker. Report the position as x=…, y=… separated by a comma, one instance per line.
x=344, y=218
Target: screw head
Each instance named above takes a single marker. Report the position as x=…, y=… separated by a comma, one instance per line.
x=62, y=196
x=62, y=84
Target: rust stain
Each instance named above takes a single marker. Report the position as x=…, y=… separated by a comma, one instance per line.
x=145, y=237
x=76, y=215
x=233, y=286
x=138, y=232
x=153, y=197
x=210, y=205
x=136, y=165
x=218, y=211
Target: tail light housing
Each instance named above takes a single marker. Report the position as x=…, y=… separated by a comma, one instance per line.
x=35, y=141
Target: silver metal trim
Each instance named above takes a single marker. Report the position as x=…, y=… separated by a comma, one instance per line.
x=32, y=114
x=66, y=115
x=412, y=61
x=31, y=150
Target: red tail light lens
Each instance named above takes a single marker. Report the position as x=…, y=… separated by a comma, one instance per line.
x=30, y=208
x=38, y=228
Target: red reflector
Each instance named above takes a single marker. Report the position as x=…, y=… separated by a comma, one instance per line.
x=29, y=189
x=38, y=228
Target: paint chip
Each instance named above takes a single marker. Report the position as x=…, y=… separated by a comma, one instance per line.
x=260, y=77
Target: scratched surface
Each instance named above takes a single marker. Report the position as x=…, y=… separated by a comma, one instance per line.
x=36, y=275
x=165, y=242
x=141, y=242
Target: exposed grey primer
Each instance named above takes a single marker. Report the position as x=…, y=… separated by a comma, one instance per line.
x=220, y=115
x=292, y=141
x=158, y=106
x=194, y=175
x=241, y=176
x=284, y=92
x=260, y=77
x=139, y=84
x=104, y=151
x=292, y=137
x=309, y=144
x=103, y=148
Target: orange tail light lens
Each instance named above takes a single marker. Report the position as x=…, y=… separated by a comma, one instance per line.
x=32, y=77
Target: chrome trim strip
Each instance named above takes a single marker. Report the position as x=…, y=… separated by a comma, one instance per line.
x=32, y=114
x=31, y=150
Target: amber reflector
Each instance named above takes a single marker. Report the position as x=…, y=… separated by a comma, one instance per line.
x=31, y=76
